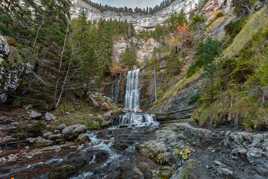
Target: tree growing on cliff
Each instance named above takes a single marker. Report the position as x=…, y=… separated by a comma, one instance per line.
x=129, y=58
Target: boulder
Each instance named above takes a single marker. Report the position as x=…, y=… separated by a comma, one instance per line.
x=3, y=98
x=80, y=129
x=61, y=127
x=35, y=115
x=49, y=117
x=72, y=132
x=4, y=47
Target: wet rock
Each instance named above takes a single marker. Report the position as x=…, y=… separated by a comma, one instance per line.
x=35, y=115
x=253, y=154
x=55, y=162
x=49, y=117
x=222, y=169
x=239, y=153
x=237, y=139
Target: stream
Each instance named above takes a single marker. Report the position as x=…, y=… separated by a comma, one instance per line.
x=134, y=122
x=109, y=152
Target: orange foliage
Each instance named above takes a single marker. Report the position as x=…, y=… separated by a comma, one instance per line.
x=183, y=29
x=185, y=34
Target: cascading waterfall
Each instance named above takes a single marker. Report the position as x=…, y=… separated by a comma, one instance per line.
x=133, y=116
x=132, y=91
x=116, y=89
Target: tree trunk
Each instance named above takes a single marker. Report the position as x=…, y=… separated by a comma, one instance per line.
x=155, y=83
x=60, y=65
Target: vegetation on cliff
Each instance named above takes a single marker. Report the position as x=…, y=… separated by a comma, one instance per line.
x=236, y=91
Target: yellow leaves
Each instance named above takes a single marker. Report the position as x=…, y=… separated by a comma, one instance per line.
x=162, y=158
x=184, y=153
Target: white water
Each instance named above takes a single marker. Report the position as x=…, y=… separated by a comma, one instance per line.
x=132, y=102
x=98, y=144
x=133, y=117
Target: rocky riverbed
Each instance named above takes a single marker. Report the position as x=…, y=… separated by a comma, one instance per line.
x=175, y=150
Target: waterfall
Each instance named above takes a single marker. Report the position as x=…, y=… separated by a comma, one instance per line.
x=116, y=89
x=132, y=91
x=133, y=116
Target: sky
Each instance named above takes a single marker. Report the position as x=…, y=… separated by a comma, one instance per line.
x=130, y=3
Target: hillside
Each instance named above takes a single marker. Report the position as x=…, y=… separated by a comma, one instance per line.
x=176, y=91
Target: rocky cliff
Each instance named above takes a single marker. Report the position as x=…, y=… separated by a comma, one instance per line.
x=140, y=22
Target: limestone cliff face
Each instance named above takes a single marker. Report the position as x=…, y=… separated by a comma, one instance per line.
x=144, y=48
x=140, y=22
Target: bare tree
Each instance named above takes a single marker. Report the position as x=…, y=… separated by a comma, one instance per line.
x=60, y=64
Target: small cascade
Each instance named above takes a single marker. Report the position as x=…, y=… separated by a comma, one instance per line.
x=116, y=89
x=133, y=116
